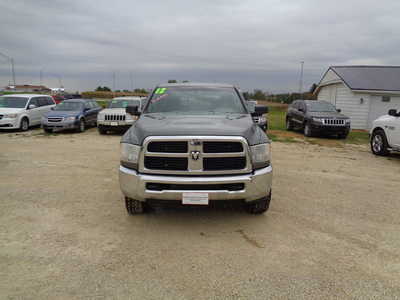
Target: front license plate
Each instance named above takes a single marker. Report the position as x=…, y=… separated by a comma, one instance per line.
x=114, y=123
x=195, y=198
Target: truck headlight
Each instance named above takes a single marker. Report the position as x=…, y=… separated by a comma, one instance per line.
x=130, y=155
x=10, y=116
x=100, y=117
x=347, y=121
x=261, y=155
x=69, y=119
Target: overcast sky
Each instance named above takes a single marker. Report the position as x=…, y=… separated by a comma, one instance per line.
x=254, y=44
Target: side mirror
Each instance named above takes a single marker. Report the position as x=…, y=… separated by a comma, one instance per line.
x=260, y=110
x=339, y=110
x=392, y=112
x=86, y=109
x=52, y=108
x=31, y=106
x=133, y=110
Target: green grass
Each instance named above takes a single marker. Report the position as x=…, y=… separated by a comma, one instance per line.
x=102, y=103
x=276, y=118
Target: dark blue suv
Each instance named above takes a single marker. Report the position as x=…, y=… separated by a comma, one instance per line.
x=71, y=114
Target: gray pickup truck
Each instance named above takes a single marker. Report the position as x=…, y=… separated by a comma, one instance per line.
x=195, y=144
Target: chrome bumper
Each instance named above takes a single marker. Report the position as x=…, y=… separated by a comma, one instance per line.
x=257, y=185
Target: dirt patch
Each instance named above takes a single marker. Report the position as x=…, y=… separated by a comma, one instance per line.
x=331, y=231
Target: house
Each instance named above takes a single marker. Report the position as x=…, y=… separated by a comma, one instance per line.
x=27, y=88
x=363, y=93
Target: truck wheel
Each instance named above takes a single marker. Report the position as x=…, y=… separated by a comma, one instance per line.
x=379, y=144
x=289, y=125
x=24, y=126
x=101, y=129
x=259, y=206
x=81, y=125
x=307, y=130
x=135, y=207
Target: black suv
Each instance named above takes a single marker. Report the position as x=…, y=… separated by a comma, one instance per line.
x=317, y=117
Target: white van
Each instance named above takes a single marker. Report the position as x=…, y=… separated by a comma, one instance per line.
x=20, y=111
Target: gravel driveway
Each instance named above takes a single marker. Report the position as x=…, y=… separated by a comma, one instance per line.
x=332, y=232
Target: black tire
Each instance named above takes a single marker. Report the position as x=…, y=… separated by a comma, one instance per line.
x=135, y=207
x=260, y=206
x=24, y=125
x=379, y=144
x=289, y=125
x=81, y=125
x=47, y=130
x=101, y=129
x=308, y=130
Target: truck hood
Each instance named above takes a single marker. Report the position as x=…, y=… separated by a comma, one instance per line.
x=63, y=114
x=7, y=110
x=195, y=125
x=113, y=111
x=316, y=114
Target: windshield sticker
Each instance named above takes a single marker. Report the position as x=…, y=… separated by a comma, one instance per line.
x=161, y=90
x=159, y=98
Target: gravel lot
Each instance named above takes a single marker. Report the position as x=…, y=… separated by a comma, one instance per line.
x=332, y=231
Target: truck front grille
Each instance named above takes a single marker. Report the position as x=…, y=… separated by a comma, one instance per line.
x=224, y=163
x=166, y=163
x=194, y=187
x=114, y=117
x=168, y=147
x=222, y=147
x=338, y=122
x=194, y=155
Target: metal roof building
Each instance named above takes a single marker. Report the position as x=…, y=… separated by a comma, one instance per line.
x=364, y=93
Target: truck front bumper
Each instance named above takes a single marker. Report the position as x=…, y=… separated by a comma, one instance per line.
x=256, y=185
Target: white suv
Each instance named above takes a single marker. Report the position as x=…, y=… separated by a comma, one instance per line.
x=114, y=116
x=385, y=133
x=20, y=111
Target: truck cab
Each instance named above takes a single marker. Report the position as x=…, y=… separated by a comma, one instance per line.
x=385, y=133
x=195, y=144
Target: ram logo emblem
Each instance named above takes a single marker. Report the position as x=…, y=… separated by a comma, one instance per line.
x=195, y=155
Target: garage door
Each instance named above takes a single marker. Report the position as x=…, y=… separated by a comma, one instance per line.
x=380, y=106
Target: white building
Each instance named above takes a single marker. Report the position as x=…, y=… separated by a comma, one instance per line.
x=362, y=92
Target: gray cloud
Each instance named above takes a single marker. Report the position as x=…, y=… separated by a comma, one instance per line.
x=255, y=44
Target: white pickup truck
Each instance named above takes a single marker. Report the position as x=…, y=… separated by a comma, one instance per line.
x=385, y=133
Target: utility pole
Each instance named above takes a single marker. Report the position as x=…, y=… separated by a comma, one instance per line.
x=301, y=80
x=11, y=60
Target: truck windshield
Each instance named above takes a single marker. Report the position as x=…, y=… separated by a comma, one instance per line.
x=195, y=100
x=69, y=106
x=319, y=106
x=13, y=102
x=123, y=103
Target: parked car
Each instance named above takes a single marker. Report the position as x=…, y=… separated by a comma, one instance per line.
x=23, y=110
x=385, y=133
x=72, y=114
x=114, y=116
x=195, y=144
x=260, y=120
x=58, y=98
x=317, y=117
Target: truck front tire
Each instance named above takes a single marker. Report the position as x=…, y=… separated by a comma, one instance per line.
x=135, y=207
x=101, y=129
x=260, y=206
